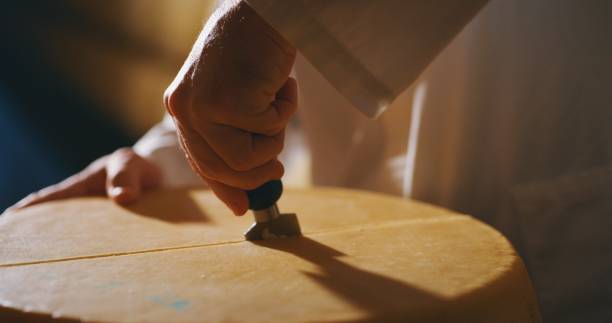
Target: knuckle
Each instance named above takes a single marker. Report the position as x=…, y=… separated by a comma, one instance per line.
x=33, y=196
x=176, y=101
x=125, y=152
x=256, y=82
x=166, y=99
x=169, y=100
x=125, y=157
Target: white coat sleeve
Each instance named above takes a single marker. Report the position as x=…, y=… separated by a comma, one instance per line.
x=160, y=146
x=369, y=50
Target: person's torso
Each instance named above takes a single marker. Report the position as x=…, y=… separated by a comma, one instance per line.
x=511, y=123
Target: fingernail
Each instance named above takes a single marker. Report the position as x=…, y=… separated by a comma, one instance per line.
x=116, y=191
x=238, y=212
x=122, y=195
x=19, y=205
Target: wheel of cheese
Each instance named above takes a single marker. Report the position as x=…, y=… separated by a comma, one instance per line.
x=180, y=256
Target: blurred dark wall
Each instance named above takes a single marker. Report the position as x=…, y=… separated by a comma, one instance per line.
x=48, y=128
x=79, y=79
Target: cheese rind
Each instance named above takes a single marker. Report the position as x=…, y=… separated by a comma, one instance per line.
x=364, y=256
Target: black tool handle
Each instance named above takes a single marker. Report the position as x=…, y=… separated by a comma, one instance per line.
x=266, y=195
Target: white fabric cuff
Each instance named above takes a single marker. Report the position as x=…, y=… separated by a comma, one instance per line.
x=160, y=146
x=370, y=51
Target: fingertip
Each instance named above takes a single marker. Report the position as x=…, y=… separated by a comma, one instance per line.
x=235, y=199
x=17, y=206
x=29, y=200
x=123, y=195
x=10, y=209
x=239, y=211
x=280, y=169
x=240, y=205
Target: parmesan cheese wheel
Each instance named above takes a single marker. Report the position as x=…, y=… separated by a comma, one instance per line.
x=179, y=255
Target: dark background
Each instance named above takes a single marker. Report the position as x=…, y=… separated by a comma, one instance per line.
x=80, y=79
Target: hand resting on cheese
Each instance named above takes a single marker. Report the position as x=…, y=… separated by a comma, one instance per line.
x=122, y=176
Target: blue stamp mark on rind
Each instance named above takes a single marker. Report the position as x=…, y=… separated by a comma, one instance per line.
x=180, y=304
x=174, y=303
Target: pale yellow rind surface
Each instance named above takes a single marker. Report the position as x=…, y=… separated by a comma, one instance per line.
x=180, y=256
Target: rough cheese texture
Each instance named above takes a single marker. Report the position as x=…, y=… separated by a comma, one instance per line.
x=180, y=256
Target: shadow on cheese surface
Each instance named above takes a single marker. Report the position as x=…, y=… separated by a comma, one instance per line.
x=364, y=257
x=176, y=207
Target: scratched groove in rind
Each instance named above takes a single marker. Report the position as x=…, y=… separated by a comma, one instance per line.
x=85, y=227
x=127, y=253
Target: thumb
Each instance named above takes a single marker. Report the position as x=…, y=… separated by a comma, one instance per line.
x=123, y=172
